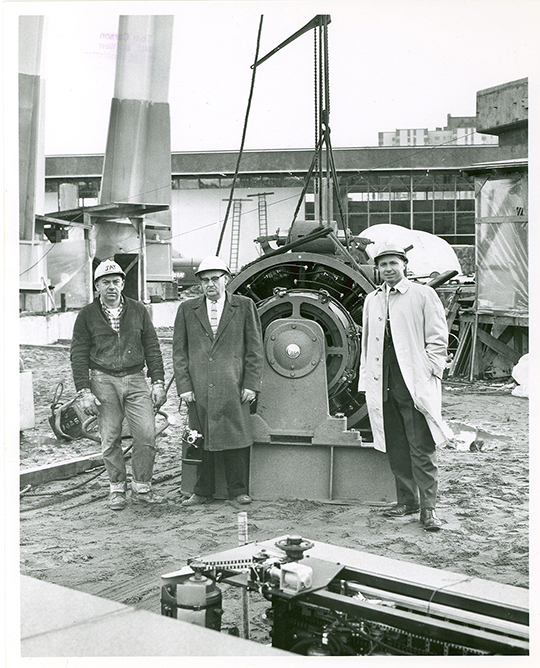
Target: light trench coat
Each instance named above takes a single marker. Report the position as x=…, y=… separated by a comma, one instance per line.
x=420, y=337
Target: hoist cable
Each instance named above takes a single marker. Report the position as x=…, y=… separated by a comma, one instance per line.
x=237, y=169
x=336, y=187
x=322, y=121
x=306, y=182
x=316, y=108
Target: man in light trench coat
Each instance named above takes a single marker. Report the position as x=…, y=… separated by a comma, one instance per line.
x=404, y=349
x=218, y=361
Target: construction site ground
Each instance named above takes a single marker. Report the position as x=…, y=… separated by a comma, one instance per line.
x=70, y=537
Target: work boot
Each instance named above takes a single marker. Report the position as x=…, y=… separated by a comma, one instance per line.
x=243, y=499
x=400, y=510
x=430, y=521
x=196, y=500
x=149, y=498
x=117, y=500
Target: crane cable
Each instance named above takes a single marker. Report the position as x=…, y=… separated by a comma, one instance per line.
x=237, y=169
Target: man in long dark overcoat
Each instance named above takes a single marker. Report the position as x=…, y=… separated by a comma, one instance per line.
x=218, y=361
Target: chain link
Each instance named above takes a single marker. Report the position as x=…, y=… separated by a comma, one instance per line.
x=316, y=104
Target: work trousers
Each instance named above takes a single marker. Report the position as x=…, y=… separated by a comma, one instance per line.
x=409, y=443
x=236, y=469
x=129, y=397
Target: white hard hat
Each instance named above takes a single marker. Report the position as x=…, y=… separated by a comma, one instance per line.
x=391, y=249
x=212, y=263
x=108, y=267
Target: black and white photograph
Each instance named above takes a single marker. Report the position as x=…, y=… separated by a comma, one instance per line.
x=271, y=331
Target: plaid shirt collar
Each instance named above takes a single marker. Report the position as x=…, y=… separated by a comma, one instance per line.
x=114, y=320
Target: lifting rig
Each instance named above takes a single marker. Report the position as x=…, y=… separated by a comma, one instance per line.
x=310, y=425
x=322, y=168
x=312, y=437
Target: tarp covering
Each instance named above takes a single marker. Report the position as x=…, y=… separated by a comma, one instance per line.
x=501, y=196
x=429, y=253
x=502, y=266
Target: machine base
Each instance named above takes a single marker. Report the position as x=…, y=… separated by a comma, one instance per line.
x=312, y=472
x=320, y=473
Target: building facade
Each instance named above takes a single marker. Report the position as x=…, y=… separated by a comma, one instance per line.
x=459, y=131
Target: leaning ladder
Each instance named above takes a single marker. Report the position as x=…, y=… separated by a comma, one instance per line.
x=235, y=235
x=263, y=225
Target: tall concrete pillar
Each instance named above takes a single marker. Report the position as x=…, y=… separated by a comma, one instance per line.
x=31, y=140
x=32, y=256
x=137, y=165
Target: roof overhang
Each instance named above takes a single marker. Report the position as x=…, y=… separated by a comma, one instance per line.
x=498, y=165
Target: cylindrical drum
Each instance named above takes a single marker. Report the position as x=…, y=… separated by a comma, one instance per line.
x=198, y=601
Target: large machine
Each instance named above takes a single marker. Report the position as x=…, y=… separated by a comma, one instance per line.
x=310, y=426
x=331, y=601
x=311, y=432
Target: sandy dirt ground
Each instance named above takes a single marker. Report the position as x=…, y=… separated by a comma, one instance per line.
x=68, y=536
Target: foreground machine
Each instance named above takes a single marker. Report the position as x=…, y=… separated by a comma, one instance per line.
x=332, y=601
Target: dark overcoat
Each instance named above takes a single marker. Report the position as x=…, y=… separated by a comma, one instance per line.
x=217, y=368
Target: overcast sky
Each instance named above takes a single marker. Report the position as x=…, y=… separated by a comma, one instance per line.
x=393, y=64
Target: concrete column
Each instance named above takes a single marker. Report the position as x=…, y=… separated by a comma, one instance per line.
x=31, y=146
x=32, y=258
x=137, y=164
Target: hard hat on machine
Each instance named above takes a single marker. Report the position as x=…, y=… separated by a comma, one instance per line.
x=212, y=263
x=108, y=267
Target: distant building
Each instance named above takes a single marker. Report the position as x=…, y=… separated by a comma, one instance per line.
x=459, y=131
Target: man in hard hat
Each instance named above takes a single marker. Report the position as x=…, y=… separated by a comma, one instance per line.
x=113, y=340
x=218, y=361
x=404, y=347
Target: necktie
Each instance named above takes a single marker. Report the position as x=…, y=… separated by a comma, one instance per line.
x=387, y=330
x=213, y=317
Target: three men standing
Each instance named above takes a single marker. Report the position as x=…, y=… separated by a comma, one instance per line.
x=218, y=361
x=113, y=340
x=404, y=348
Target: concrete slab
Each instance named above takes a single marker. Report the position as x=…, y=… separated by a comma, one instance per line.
x=60, y=470
x=57, y=621
x=48, y=607
x=163, y=313
x=45, y=329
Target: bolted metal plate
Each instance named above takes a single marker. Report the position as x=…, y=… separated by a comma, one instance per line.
x=293, y=348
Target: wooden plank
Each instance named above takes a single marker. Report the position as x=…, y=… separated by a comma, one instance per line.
x=452, y=310
x=459, y=352
x=493, y=318
x=474, y=339
x=498, y=346
x=60, y=470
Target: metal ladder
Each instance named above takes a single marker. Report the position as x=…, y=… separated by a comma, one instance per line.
x=263, y=221
x=235, y=235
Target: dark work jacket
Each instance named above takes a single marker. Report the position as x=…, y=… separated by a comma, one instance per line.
x=96, y=345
